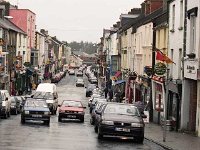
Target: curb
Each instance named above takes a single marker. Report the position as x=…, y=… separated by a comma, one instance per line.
x=162, y=145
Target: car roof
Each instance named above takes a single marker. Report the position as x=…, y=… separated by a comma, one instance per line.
x=73, y=100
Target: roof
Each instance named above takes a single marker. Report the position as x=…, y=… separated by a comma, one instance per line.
x=10, y=26
x=142, y=19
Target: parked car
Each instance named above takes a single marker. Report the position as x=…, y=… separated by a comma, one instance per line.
x=35, y=109
x=6, y=104
x=89, y=89
x=15, y=105
x=98, y=107
x=119, y=119
x=71, y=109
x=80, y=82
x=21, y=100
x=79, y=74
x=71, y=72
x=92, y=97
x=48, y=91
x=94, y=102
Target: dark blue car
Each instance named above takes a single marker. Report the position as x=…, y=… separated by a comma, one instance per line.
x=35, y=109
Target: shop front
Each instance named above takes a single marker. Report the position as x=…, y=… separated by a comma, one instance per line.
x=174, y=103
x=158, y=99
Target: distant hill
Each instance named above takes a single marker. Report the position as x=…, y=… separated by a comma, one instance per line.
x=87, y=47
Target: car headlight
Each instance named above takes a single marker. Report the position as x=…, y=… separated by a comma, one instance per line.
x=26, y=112
x=137, y=125
x=46, y=113
x=108, y=122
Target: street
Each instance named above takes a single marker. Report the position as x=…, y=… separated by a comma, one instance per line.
x=70, y=135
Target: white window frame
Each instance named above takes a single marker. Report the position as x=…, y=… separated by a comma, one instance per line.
x=192, y=33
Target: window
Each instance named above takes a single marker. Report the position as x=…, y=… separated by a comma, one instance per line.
x=172, y=57
x=173, y=17
x=34, y=59
x=179, y=63
x=192, y=33
x=181, y=14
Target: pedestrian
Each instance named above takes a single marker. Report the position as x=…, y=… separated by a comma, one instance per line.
x=110, y=94
x=106, y=92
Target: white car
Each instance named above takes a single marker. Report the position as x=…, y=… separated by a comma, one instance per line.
x=48, y=91
x=6, y=103
x=71, y=72
x=80, y=82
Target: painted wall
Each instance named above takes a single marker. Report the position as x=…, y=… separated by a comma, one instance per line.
x=175, y=51
x=21, y=46
x=124, y=45
x=25, y=20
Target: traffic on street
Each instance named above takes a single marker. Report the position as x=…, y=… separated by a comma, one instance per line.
x=71, y=127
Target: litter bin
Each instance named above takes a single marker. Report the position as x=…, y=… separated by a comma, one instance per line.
x=168, y=125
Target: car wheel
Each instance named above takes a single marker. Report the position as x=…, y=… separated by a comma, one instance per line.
x=9, y=113
x=59, y=119
x=6, y=115
x=139, y=139
x=100, y=136
x=91, y=121
x=55, y=111
x=22, y=120
x=16, y=112
x=95, y=129
x=82, y=119
x=47, y=122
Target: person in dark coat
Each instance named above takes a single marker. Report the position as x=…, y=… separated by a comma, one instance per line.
x=106, y=92
x=110, y=94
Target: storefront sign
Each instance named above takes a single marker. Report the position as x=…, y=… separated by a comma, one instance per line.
x=190, y=69
x=160, y=69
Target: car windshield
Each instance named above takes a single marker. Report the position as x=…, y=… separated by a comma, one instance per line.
x=121, y=109
x=43, y=95
x=72, y=104
x=35, y=103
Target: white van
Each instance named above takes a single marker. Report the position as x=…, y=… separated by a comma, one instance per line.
x=48, y=91
x=6, y=103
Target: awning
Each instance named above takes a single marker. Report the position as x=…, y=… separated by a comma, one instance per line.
x=117, y=74
x=119, y=82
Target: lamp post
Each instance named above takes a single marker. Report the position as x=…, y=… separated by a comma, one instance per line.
x=165, y=106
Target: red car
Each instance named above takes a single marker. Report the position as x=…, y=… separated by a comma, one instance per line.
x=71, y=109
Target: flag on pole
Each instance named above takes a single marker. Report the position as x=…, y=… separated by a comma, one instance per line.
x=162, y=57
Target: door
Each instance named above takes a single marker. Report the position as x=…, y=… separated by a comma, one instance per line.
x=193, y=105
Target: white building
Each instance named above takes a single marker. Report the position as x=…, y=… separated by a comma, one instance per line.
x=175, y=53
x=191, y=86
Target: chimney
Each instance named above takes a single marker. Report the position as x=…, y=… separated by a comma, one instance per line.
x=135, y=11
x=43, y=31
x=152, y=5
x=143, y=8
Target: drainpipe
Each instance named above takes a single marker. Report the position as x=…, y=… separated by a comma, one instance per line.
x=153, y=64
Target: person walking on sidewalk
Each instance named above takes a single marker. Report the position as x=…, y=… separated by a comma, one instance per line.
x=110, y=95
x=106, y=92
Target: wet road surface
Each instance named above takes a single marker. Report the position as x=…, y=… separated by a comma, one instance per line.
x=68, y=135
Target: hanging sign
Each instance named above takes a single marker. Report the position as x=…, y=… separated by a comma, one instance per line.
x=132, y=76
x=160, y=69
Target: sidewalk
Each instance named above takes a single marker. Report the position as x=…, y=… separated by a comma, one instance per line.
x=174, y=140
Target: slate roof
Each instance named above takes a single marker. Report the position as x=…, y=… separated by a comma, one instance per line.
x=142, y=19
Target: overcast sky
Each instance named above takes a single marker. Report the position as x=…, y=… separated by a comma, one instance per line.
x=76, y=20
